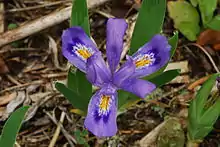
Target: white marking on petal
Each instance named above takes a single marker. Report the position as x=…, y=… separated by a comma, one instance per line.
x=144, y=60
x=83, y=51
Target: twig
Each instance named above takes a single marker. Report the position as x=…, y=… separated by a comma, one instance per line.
x=54, y=49
x=104, y=14
x=36, y=7
x=13, y=80
x=69, y=138
x=41, y=23
x=22, y=86
x=129, y=35
x=57, y=132
x=19, y=50
x=2, y=24
x=198, y=82
x=207, y=54
x=54, y=75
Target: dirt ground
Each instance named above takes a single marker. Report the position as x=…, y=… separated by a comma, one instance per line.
x=30, y=66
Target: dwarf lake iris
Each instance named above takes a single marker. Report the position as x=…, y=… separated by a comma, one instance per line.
x=82, y=52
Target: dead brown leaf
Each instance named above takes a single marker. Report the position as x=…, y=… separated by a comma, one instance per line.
x=209, y=37
x=7, y=98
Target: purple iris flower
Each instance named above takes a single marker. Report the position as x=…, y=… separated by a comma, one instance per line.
x=82, y=52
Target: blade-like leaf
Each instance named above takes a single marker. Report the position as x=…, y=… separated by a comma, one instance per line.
x=201, y=120
x=72, y=82
x=149, y=22
x=12, y=127
x=201, y=97
x=79, y=16
x=122, y=98
x=84, y=87
x=173, y=41
x=211, y=115
x=199, y=133
x=77, y=81
x=77, y=101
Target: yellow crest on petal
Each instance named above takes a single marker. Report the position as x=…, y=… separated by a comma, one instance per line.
x=142, y=62
x=83, y=51
x=104, y=102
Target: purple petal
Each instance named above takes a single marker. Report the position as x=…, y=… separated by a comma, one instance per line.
x=102, y=113
x=77, y=47
x=97, y=72
x=115, y=32
x=126, y=70
x=152, y=56
x=139, y=87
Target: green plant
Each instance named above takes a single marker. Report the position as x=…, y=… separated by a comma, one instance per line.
x=203, y=115
x=80, y=137
x=187, y=19
x=11, y=127
x=150, y=19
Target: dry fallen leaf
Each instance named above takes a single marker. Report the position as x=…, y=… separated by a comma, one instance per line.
x=7, y=98
x=210, y=37
x=13, y=104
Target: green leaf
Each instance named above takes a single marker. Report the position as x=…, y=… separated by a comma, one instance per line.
x=77, y=101
x=12, y=26
x=194, y=2
x=214, y=24
x=201, y=97
x=84, y=133
x=72, y=82
x=173, y=41
x=185, y=17
x=77, y=82
x=207, y=8
x=79, y=16
x=199, y=133
x=211, y=115
x=165, y=77
x=122, y=98
x=149, y=22
x=201, y=120
x=12, y=127
x=84, y=87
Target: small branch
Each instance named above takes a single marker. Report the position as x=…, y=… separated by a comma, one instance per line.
x=207, y=54
x=69, y=137
x=41, y=23
x=57, y=132
x=2, y=22
x=37, y=7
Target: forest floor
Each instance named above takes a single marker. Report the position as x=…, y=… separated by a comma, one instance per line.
x=30, y=66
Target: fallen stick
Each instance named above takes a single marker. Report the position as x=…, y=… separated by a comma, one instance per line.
x=42, y=23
